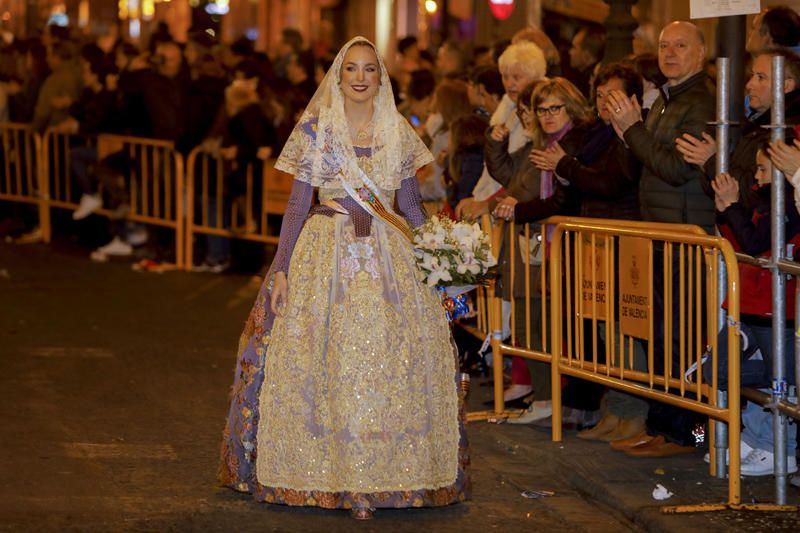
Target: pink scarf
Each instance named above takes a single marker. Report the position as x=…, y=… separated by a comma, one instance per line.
x=546, y=185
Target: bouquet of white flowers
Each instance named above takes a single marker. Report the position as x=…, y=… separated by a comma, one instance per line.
x=453, y=254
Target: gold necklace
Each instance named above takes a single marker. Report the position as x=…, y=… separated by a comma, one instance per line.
x=362, y=133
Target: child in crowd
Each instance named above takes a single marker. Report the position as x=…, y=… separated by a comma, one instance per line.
x=750, y=231
x=465, y=157
x=449, y=102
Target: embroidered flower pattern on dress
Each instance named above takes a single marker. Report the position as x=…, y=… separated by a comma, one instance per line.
x=358, y=256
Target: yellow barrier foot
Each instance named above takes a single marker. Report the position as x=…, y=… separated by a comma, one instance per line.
x=491, y=416
x=699, y=508
x=710, y=507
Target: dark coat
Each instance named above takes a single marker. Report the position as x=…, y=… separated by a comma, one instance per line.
x=752, y=228
x=563, y=201
x=152, y=105
x=672, y=190
x=248, y=130
x=501, y=165
x=608, y=186
x=204, y=99
x=470, y=169
x=743, y=156
x=132, y=109
x=94, y=111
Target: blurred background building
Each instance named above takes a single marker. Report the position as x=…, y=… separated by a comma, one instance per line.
x=332, y=22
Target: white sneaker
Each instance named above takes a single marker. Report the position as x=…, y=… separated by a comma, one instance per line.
x=89, y=204
x=744, y=451
x=761, y=463
x=137, y=236
x=537, y=411
x=116, y=247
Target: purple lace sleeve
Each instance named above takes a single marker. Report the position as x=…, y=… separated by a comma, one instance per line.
x=296, y=214
x=409, y=202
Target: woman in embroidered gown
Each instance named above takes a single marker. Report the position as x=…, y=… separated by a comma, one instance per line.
x=345, y=392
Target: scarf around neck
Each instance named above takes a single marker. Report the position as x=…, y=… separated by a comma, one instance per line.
x=546, y=186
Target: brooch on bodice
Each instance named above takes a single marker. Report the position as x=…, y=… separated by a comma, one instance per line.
x=366, y=195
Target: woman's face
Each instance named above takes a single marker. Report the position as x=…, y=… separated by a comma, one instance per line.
x=552, y=114
x=601, y=97
x=361, y=74
x=514, y=80
x=763, y=169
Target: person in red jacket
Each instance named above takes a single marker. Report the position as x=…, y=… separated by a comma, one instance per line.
x=750, y=230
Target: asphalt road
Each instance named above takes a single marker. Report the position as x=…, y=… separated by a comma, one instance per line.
x=113, y=393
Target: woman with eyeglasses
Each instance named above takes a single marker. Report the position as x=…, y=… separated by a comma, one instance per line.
x=554, y=108
x=557, y=108
x=596, y=173
x=600, y=170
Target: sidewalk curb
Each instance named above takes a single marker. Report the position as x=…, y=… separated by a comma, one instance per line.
x=642, y=511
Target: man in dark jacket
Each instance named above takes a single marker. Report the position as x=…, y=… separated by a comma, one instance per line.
x=759, y=91
x=61, y=88
x=671, y=190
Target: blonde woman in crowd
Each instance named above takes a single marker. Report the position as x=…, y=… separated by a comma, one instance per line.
x=520, y=64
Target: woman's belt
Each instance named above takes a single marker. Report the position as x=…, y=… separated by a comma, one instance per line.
x=362, y=221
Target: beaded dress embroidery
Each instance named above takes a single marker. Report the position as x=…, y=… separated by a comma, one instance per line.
x=351, y=398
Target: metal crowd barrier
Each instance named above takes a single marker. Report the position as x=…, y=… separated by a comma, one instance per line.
x=56, y=175
x=519, y=241
x=148, y=172
x=683, y=382
x=207, y=182
x=777, y=401
x=20, y=167
x=484, y=294
x=579, y=291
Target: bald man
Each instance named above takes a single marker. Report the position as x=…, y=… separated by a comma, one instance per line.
x=670, y=190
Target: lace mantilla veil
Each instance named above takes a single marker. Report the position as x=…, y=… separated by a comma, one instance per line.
x=320, y=150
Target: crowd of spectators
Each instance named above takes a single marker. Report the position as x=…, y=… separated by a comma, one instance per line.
x=631, y=140
x=511, y=137
x=237, y=102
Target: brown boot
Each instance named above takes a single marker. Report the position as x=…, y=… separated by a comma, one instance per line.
x=632, y=442
x=658, y=447
x=606, y=425
x=627, y=427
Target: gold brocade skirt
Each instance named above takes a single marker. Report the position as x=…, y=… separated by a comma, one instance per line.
x=358, y=394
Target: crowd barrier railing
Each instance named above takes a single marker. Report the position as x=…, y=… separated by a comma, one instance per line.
x=21, y=169
x=779, y=400
x=680, y=261
x=784, y=405
x=146, y=175
x=211, y=206
x=578, y=292
x=484, y=293
x=485, y=298
x=528, y=248
x=56, y=175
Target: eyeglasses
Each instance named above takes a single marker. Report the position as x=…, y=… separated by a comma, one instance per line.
x=552, y=110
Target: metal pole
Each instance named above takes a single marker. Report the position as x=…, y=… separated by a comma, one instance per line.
x=721, y=428
x=731, y=45
x=797, y=343
x=778, y=288
x=723, y=156
x=723, y=122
